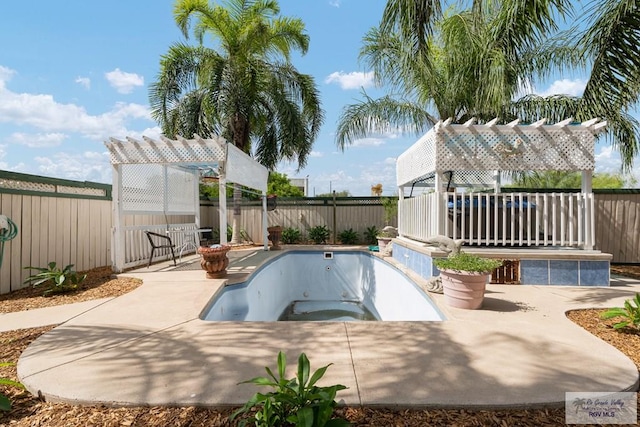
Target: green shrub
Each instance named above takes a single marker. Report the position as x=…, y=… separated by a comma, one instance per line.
x=5, y=403
x=371, y=235
x=291, y=235
x=467, y=262
x=630, y=313
x=348, y=237
x=319, y=234
x=58, y=281
x=297, y=401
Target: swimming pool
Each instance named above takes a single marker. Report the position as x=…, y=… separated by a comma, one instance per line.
x=321, y=285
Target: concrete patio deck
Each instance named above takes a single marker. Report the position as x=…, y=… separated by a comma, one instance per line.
x=149, y=347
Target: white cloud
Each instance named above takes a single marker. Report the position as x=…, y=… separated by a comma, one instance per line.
x=5, y=76
x=87, y=166
x=316, y=154
x=390, y=161
x=353, y=80
x=84, y=81
x=44, y=113
x=570, y=87
x=124, y=82
x=368, y=142
x=334, y=3
x=37, y=140
x=608, y=160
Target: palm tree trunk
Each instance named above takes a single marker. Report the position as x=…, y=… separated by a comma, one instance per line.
x=235, y=224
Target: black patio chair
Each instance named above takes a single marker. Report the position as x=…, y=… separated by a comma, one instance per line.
x=159, y=241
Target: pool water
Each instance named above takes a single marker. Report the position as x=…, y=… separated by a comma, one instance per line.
x=305, y=285
x=318, y=311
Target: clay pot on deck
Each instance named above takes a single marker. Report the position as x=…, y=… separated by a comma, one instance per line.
x=275, y=235
x=464, y=289
x=214, y=260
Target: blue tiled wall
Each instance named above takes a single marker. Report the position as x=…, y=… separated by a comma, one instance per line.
x=532, y=272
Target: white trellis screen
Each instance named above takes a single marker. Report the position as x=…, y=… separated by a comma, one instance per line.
x=160, y=178
x=471, y=155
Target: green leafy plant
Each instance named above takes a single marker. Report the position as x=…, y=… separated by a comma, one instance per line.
x=390, y=205
x=348, y=237
x=319, y=234
x=216, y=233
x=630, y=313
x=5, y=403
x=371, y=235
x=464, y=261
x=291, y=235
x=58, y=280
x=297, y=401
x=386, y=234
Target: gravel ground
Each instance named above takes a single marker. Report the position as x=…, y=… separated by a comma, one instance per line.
x=29, y=411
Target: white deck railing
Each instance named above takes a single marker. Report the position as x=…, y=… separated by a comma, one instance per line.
x=504, y=219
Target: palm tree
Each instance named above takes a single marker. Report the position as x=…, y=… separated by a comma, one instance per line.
x=473, y=63
x=246, y=89
x=609, y=47
x=457, y=65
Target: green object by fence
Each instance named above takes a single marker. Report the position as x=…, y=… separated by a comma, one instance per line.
x=6, y=234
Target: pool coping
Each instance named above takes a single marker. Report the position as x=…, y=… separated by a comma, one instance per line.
x=150, y=347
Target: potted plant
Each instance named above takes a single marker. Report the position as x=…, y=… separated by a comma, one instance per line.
x=390, y=205
x=275, y=235
x=464, y=278
x=385, y=236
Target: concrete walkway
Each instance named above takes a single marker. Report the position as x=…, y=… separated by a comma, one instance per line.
x=149, y=347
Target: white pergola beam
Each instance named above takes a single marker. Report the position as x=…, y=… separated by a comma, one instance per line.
x=492, y=123
x=589, y=123
x=538, y=123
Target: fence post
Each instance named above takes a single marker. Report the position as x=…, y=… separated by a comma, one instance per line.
x=334, y=217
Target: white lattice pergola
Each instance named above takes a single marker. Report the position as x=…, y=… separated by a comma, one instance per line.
x=474, y=154
x=160, y=177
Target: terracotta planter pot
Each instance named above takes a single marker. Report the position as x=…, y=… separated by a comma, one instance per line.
x=214, y=260
x=463, y=289
x=275, y=235
x=383, y=242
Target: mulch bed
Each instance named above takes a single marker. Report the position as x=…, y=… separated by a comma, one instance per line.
x=29, y=411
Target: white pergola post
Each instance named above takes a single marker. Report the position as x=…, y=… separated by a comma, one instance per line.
x=265, y=232
x=439, y=214
x=222, y=198
x=588, y=210
x=117, y=232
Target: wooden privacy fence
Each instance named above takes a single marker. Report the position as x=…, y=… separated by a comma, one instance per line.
x=70, y=222
x=343, y=213
x=60, y=221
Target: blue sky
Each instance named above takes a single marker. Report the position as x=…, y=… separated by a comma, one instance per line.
x=75, y=72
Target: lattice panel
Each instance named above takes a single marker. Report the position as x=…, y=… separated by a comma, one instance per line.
x=521, y=148
x=490, y=147
x=142, y=188
x=181, y=190
x=165, y=151
x=418, y=161
x=242, y=169
x=85, y=191
x=463, y=179
x=26, y=185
